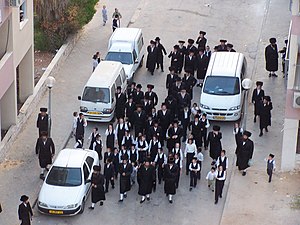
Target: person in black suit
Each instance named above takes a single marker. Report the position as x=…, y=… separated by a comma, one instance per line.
x=183, y=99
x=139, y=120
x=195, y=127
x=230, y=48
x=147, y=105
x=202, y=64
x=244, y=152
x=171, y=79
x=271, y=56
x=184, y=118
x=138, y=95
x=164, y=118
x=156, y=130
x=45, y=150
x=207, y=52
x=257, y=98
x=171, y=171
x=120, y=103
x=148, y=125
x=189, y=81
x=175, y=56
x=182, y=50
x=222, y=47
x=151, y=95
x=171, y=104
x=25, y=212
x=131, y=89
x=98, y=192
x=214, y=140
x=108, y=155
x=176, y=87
x=130, y=107
x=42, y=121
x=191, y=46
x=160, y=57
x=151, y=57
x=201, y=40
x=109, y=173
x=265, y=115
x=174, y=133
x=125, y=171
x=190, y=62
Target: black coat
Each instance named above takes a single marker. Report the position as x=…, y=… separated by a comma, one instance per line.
x=157, y=132
x=201, y=42
x=164, y=119
x=170, y=176
x=257, y=100
x=120, y=105
x=271, y=56
x=171, y=79
x=222, y=48
x=25, y=213
x=183, y=101
x=172, y=106
x=175, y=90
x=215, y=144
x=190, y=82
x=191, y=47
x=145, y=179
x=130, y=110
x=109, y=171
x=110, y=140
x=152, y=97
x=171, y=133
x=265, y=115
x=176, y=58
x=244, y=153
x=110, y=156
x=202, y=64
x=190, y=63
x=139, y=121
x=137, y=97
x=125, y=184
x=151, y=58
x=42, y=123
x=160, y=51
x=45, y=151
x=147, y=107
x=98, y=193
x=182, y=51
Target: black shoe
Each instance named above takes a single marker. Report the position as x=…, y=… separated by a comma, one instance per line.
x=254, y=120
x=142, y=201
x=171, y=201
x=152, y=73
x=275, y=75
x=162, y=70
x=267, y=129
x=198, y=85
x=216, y=202
x=91, y=207
x=213, y=190
x=190, y=189
x=261, y=134
x=159, y=182
x=42, y=177
x=221, y=196
x=113, y=187
x=125, y=195
x=205, y=147
x=106, y=191
x=148, y=198
x=120, y=200
x=101, y=203
x=244, y=173
x=270, y=74
x=187, y=173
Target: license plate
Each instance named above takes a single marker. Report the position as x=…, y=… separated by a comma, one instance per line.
x=94, y=113
x=219, y=117
x=57, y=212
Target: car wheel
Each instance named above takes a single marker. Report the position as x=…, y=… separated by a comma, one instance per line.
x=82, y=206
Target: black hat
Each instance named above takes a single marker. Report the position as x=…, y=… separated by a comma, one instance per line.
x=271, y=155
x=223, y=40
x=132, y=144
x=191, y=41
x=157, y=39
x=176, y=46
x=175, y=121
x=147, y=159
x=272, y=40
x=152, y=42
x=216, y=47
x=286, y=41
x=268, y=98
x=178, y=79
x=201, y=49
x=124, y=157
x=155, y=121
x=119, y=88
x=180, y=41
x=216, y=128
x=171, y=160
x=259, y=83
x=196, y=116
x=204, y=114
x=188, y=70
x=195, y=157
x=202, y=32
x=230, y=45
x=44, y=133
x=247, y=133
x=43, y=109
x=183, y=88
x=151, y=86
x=139, y=86
x=139, y=106
x=133, y=83
x=172, y=68
x=96, y=168
x=24, y=198
x=191, y=50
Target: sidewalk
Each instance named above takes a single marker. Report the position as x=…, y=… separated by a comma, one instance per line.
x=21, y=167
x=251, y=199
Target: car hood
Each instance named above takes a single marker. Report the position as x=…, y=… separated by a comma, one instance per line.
x=220, y=101
x=59, y=196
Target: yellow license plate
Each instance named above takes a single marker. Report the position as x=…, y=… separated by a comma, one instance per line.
x=219, y=117
x=94, y=113
x=57, y=212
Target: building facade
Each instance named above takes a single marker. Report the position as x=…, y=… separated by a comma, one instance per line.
x=16, y=58
x=291, y=134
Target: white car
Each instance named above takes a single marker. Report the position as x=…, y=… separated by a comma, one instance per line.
x=66, y=185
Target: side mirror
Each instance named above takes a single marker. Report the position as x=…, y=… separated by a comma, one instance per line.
x=79, y=97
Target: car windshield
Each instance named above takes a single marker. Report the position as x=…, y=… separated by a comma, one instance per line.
x=94, y=94
x=219, y=85
x=123, y=57
x=62, y=176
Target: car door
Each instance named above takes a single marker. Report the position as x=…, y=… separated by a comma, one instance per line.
x=87, y=175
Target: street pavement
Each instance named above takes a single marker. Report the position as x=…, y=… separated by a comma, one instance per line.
x=248, y=27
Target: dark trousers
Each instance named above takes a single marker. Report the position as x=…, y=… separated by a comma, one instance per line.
x=219, y=189
x=270, y=173
x=160, y=173
x=185, y=123
x=137, y=130
x=161, y=63
x=142, y=156
x=193, y=179
x=189, y=157
x=199, y=172
x=177, y=180
x=203, y=138
x=112, y=182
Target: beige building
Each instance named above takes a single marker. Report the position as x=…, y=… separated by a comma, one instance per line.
x=16, y=58
x=291, y=134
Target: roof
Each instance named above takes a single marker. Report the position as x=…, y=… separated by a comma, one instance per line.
x=225, y=64
x=121, y=47
x=70, y=158
x=125, y=34
x=105, y=74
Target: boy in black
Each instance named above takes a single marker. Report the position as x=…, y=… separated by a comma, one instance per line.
x=109, y=172
x=270, y=166
x=194, y=169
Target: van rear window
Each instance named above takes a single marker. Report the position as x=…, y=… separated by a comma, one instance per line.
x=95, y=94
x=219, y=85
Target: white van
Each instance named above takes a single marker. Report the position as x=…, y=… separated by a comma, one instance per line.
x=222, y=94
x=126, y=45
x=98, y=96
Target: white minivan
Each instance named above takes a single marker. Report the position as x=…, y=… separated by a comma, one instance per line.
x=126, y=45
x=222, y=94
x=97, y=102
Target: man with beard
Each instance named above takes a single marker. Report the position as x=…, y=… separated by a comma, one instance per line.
x=175, y=56
x=171, y=79
x=171, y=171
x=151, y=57
x=271, y=56
x=182, y=51
x=244, y=152
x=42, y=121
x=98, y=193
x=146, y=180
x=120, y=103
x=125, y=171
x=214, y=140
x=160, y=57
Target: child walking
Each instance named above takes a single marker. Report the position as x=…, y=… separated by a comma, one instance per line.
x=194, y=169
x=210, y=177
x=270, y=166
x=104, y=15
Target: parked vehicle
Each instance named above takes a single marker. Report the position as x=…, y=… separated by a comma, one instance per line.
x=222, y=94
x=66, y=185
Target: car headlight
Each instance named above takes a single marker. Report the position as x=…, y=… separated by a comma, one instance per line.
x=107, y=111
x=71, y=206
x=42, y=204
x=204, y=106
x=83, y=109
x=234, y=108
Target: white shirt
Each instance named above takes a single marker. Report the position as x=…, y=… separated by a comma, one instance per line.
x=190, y=148
x=200, y=156
x=211, y=175
x=272, y=161
x=207, y=122
x=194, y=164
x=176, y=151
x=160, y=155
x=236, y=130
x=222, y=159
x=220, y=178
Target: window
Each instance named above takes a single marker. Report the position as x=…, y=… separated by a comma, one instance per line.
x=89, y=160
x=219, y=85
x=94, y=94
x=23, y=12
x=123, y=57
x=118, y=81
x=63, y=176
x=86, y=172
